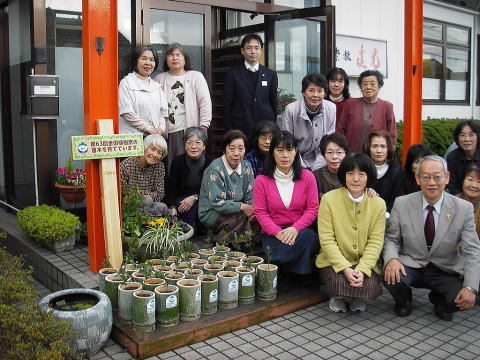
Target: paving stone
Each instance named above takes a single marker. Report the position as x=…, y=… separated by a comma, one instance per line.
x=206, y=350
x=273, y=350
x=122, y=356
x=112, y=349
x=216, y=356
x=232, y=353
x=259, y=354
x=221, y=345
x=287, y=345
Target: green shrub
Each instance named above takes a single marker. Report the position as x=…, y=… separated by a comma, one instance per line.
x=26, y=332
x=437, y=134
x=46, y=223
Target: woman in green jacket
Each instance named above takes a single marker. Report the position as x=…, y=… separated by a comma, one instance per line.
x=351, y=228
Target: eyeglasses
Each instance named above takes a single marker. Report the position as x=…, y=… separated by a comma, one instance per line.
x=467, y=135
x=436, y=178
x=197, y=143
x=331, y=153
x=265, y=138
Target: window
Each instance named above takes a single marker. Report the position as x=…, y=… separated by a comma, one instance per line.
x=446, y=63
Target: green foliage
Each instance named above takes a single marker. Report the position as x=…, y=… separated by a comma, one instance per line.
x=26, y=332
x=47, y=224
x=437, y=134
x=160, y=239
x=284, y=98
x=132, y=219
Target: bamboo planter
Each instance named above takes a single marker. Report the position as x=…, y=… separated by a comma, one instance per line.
x=246, y=281
x=221, y=250
x=167, y=302
x=102, y=274
x=227, y=289
x=206, y=253
x=125, y=301
x=236, y=255
x=112, y=282
x=231, y=265
x=193, y=273
x=173, y=276
x=199, y=263
x=266, y=282
x=151, y=283
x=190, y=299
x=253, y=260
x=212, y=269
x=209, y=286
x=143, y=311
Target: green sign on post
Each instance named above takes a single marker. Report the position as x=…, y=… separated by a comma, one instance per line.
x=106, y=146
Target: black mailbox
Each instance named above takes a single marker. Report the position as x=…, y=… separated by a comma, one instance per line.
x=43, y=95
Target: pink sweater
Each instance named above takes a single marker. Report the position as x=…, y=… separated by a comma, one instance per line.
x=271, y=213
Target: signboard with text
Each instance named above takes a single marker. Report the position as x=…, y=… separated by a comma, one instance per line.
x=106, y=146
x=355, y=55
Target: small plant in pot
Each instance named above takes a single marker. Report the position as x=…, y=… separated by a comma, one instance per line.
x=50, y=226
x=227, y=289
x=143, y=311
x=125, y=301
x=266, y=279
x=173, y=276
x=190, y=299
x=221, y=249
x=167, y=302
x=71, y=182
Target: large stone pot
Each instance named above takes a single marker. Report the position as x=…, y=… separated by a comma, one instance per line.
x=91, y=326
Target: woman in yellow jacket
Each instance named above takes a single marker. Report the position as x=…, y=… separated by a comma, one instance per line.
x=351, y=228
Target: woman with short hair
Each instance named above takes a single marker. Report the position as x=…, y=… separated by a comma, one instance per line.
x=147, y=172
x=264, y=132
x=226, y=195
x=362, y=115
x=415, y=153
x=471, y=190
x=142, y=104
x=286, y=204
x=338, y=89
x=309, y=119
x=351, y=228
x=188, y=97
x=185, y=176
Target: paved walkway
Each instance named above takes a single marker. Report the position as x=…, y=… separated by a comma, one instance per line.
x=317, y=333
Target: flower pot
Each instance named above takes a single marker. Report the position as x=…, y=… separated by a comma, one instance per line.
x=151, y=283
x=190, y=256
x=236, y=255
x=138, y=277
x=252, y=260
x=217, y=259
x=199, y=263
x=71, y=194
x=231, y=265
x=246, y=281
x=166, y=300
x=92, y=326
x=162, y=268
x=143, y=311
x=125, y=301
x=190, y=299
x=221, y=250
x=266, y=282
x=154, y=262
x=62, y=245
x=212, y=269
x=205, y=253
x=173, y=276
x=209, y=286
x=227, y=289
x=193, y=273
x=171, y=260
x=112, y=282
x=182, y=266
x=102, y=274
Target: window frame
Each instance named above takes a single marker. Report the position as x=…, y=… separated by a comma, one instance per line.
x=444, y=44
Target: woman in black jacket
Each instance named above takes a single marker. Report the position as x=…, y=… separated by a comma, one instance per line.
x=185, y=176
x=389, y=184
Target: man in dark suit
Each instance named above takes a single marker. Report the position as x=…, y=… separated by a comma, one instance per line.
x=431, y=243
x=250, y=90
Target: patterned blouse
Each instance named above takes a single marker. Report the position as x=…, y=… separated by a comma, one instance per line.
x=150, y=179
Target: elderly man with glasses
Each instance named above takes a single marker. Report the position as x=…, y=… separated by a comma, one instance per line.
x=431, y=243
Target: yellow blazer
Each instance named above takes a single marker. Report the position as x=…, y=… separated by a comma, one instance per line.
x=351, y=234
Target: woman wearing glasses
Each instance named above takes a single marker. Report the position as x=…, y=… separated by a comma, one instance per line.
x=334, y=147
x=185, y=177
x=466, y=137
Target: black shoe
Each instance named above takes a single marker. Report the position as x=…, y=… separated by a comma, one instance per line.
x=403, y=309
x=441, y=313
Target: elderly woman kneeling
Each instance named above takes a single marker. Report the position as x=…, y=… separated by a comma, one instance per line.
x=147, y=172
x=226, y=194
x=351, y=228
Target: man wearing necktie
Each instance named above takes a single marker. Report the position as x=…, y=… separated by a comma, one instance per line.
x=431, y=243
x=250, y=90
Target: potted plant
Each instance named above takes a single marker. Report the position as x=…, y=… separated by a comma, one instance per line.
x=246, y=281
x=221, y=249
x=209, y=287
x=143, y=311
x=266, y=279
x=190, y=299
x=89, y=313
x=71, y=182
x=49, y=225
x=125, y=301
x=166, y=302
x=227, y=289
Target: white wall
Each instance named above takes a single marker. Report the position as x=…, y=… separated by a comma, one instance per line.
x=382, y=20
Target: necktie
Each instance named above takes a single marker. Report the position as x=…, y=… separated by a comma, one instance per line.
x=252, y=69
x=429, y=229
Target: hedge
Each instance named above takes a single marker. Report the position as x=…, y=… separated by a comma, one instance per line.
x=437, y=134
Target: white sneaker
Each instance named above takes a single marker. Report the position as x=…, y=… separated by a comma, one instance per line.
x=357, y=305
x=337, y=305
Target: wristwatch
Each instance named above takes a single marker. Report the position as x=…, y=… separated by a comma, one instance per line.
x=472, y=290
x=195, y=196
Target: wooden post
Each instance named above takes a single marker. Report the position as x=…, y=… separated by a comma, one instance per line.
x=111, y=210
x=413, y=74
x=100, y=97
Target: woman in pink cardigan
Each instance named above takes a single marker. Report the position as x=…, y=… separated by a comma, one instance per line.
x=285, y=204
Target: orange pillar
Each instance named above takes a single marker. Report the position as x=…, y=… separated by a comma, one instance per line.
x=412, y=103
x=100, y=97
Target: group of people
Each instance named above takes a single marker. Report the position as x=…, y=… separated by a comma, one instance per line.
x=321, y=191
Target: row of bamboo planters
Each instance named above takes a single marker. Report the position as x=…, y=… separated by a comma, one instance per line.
x=185, y=295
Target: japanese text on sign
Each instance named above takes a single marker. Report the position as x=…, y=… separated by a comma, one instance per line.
x=106, y=146
x=356, y=55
